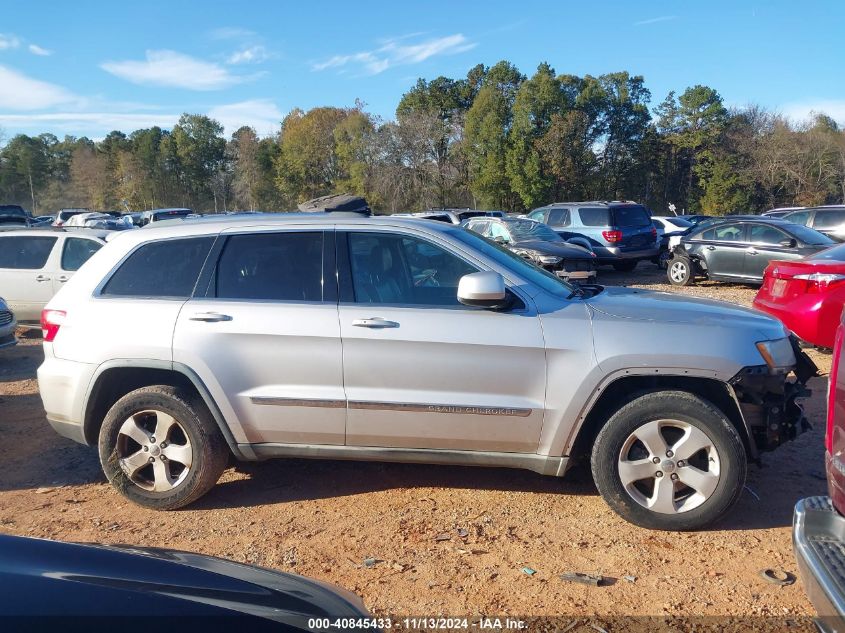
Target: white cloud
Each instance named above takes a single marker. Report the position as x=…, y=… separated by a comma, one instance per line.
x=19, y=92
x=230, y=33
x=94, y=124
x=8, y=41
x=37, y=50
x=394, y=52
x=802, y=112
x=172, y=69
x=249, y=55
x=662, y=18
x=261, y=114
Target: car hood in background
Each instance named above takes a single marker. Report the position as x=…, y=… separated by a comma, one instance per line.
x=669, y=307
x=558, y=249
x=51, y=578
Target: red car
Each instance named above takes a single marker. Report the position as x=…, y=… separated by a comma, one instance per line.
x=818, y=525
x=807, y=295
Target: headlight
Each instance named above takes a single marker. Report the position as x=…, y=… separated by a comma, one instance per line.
x=549, y=259
x=778, y=354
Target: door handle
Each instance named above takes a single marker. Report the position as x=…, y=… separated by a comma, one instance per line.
x=374, y=322
x=752, y=251
x=62, y=278
x=210, y=317
x=711, y=248
x=42, y=278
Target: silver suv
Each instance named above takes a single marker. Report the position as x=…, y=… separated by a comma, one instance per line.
x=330, y=336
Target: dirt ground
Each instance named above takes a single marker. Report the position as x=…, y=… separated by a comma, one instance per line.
x=322, y=519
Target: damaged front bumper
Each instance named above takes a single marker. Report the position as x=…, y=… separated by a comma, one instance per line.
x=767, y=401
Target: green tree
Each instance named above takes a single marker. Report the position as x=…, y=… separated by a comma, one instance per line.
x=199, y=148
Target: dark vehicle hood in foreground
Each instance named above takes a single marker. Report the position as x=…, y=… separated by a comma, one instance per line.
x=49, y=578
x=558, y=249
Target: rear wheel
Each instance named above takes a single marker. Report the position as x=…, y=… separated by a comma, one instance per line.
x=679, y=272
x=664, y=258
x=625, y=266
x=669, y=460
x=161, y=448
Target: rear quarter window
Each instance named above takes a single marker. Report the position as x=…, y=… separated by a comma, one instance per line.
x=25, y=252
x=167, y=269
x=828, y=219
x=594, y=216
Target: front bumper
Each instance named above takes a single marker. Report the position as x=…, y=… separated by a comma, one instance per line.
x=818, y=539
x=7, y=329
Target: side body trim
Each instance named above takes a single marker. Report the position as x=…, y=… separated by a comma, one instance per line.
x=454, y=409
x=543, y=464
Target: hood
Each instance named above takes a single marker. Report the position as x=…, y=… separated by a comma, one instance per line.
x=50, y=578
x=669, y=307
x=558, y=249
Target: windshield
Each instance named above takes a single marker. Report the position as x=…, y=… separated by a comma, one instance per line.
x=809, y=236
x=536, y=275
x=835, y=254
x=531, y=230
x=679, y=222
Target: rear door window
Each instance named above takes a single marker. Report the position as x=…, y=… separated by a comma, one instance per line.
x=725, y=233
x=25, y=252
x=272, y=267
x=76, y=251
x=166, y=269
x=799, y=217
x=828, y=219
x=558, y=217
x=631, y=217
x=594, y=216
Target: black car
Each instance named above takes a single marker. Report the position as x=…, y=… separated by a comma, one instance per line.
x=739, y=249
x=108, y=586
x=539, y=244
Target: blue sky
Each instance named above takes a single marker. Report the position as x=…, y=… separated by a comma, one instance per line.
x=87, y=67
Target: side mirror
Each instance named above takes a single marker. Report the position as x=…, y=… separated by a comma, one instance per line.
x=483, y=290
x=499, y=239
x=790, y=243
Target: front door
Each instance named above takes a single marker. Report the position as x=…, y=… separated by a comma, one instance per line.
x=420, y=369
x=766, y=246
x=265, y=337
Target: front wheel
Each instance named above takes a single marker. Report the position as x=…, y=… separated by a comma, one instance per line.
x=669, y=460
x=160, y=447
x=680, y=272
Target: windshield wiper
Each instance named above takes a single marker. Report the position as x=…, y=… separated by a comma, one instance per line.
x=576, y=292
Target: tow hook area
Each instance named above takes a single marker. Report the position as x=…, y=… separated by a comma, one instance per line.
x=768, y=402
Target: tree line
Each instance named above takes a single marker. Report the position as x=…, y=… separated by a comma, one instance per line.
x=494, y=139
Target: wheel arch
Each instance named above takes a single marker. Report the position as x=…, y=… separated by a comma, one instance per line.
x=619, y=391
x=115, y=379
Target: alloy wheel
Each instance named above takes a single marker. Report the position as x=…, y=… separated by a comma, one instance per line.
x=669, y=466
x=154, y=451
x=678, y=272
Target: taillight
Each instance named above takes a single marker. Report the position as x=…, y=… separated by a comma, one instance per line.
x=612, y=236
x=820, y=282
x=51, y=321
x=831, y=388
x=653, y=233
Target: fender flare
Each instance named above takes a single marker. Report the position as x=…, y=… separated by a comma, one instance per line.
x=240, y=451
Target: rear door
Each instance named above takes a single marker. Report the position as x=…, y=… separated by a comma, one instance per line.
x=723, y=249
x=75, y=251
x=766, y=245
x=264, y=337
x=27, y=263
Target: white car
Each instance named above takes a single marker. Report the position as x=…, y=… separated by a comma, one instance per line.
x=36, y=263
x=7, y=325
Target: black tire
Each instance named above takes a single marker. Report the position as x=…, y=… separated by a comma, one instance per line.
x=625, y=266
x=195, y=427
x=663, y=259
x=680, y=271
x=687, y=410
